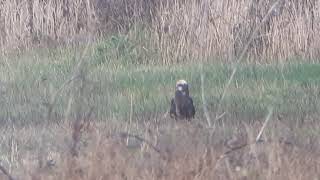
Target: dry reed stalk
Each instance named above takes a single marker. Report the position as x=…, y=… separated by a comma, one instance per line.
x=213, y=39
x=258, y=138
x=249, y=144
x=128, y=126
x=5, y=172
x=204, y=102
x=245, y=48
x=180, y=30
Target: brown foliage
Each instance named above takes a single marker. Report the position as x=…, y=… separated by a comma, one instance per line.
x=165, y=150
x=181, y=30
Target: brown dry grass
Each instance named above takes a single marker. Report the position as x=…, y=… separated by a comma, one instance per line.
x=179, y=30
x=186, y=151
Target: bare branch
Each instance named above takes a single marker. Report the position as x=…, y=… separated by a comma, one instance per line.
x=75, y=75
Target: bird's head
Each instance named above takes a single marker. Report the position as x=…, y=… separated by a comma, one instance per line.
x=183, y=87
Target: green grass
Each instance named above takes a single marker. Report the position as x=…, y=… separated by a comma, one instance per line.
x=29, y=82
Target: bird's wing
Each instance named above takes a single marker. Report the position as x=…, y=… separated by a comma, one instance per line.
x=172, y=108
x=192, y=108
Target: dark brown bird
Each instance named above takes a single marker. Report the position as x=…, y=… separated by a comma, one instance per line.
x=182, y=104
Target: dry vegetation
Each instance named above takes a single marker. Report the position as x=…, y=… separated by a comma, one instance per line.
x=100, y=114
x=178, y=30
x=176, y=151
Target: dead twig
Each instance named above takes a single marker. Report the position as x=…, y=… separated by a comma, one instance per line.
x=126, y=135
x=220, y=116
x=78, y=127
x=5, y=172
x=81, y=122
x=245, y=49
x=258, y=138
x=204, y=102
x=74, y=75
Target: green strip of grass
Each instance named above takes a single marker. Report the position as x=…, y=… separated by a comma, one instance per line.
x=29, y=83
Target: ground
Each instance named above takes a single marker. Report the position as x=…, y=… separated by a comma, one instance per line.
x=62, y=119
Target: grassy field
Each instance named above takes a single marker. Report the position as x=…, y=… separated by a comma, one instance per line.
x=126, y=133
x=30, y=84
x=85, y=87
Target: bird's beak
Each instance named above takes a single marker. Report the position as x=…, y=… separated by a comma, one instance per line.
x=180, y=88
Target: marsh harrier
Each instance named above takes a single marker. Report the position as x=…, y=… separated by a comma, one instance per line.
x=182, y=104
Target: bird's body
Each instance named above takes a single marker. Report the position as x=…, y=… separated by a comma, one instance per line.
x=182, y=104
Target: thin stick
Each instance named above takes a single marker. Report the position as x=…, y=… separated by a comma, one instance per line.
x=225, y=154
x=220, y=116
x=232, y=76
x=130, y=118
x=75, y=75
x=246, y=47
x=264, y=124
x=204, y=102
x=125, y=134
x=5, y=172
